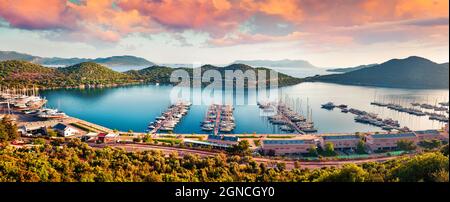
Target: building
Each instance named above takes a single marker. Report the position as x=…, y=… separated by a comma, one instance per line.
x=223, y=140
x=65, y=130
x=90, y=137
x=289, y=146
x=196, y=143
x=341, y=142
x=388, y=141
x=107, y=138
x=30, y=131
x=431, y=135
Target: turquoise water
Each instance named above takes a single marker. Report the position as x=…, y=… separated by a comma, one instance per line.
x=133, y=107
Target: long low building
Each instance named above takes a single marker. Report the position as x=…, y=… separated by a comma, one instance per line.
x=389, y=141
x=431, y=135
x=341, y=141
x=299, y=145
x=223, y=140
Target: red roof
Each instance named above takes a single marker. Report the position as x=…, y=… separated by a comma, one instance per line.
x=102, y=135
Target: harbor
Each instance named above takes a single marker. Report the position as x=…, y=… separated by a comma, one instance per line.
x=365, y=117
x=434, y=112
x=170, y=118
x=27, y=102
x=133, y=108
x=218, y=118
x=287, y=115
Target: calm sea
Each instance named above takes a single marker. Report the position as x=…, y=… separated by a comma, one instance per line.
x=133, y=107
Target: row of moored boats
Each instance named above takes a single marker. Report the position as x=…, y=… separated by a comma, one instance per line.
x=170, y=118
x=219, y=118
x=288, y=119
x=367, y=117
x=434, y=112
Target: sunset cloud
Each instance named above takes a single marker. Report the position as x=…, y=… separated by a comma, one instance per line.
x=229, y=22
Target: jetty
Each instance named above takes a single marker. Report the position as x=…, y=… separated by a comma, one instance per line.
x=286, y=115
x=434, y=112
x=170, y=118
x=219, y=118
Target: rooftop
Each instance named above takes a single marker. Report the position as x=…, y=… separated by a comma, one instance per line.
x=340, y=137
x=204, y=143
x=223, y=138
x=428, y=132
x=60, y=126
x=284, y=141
x=397, y=135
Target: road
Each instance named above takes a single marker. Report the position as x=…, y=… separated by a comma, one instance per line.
x=290, y=164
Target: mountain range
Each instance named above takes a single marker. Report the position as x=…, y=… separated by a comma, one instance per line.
x=349, y=69
x=118, y=63
x=412, y=72
x=276, y=63
x=19, y=73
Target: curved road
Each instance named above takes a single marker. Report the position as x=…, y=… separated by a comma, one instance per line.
x=270, y=162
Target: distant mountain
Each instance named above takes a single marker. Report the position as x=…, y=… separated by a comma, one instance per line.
x=350, y=69
x=276, y=63
x=12, y=55
x=119, y=63
x=412, y=72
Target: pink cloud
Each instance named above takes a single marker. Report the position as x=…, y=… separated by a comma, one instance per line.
x=35, y=14
x=223, y=20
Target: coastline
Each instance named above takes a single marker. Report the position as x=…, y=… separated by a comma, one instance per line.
x=126, y=141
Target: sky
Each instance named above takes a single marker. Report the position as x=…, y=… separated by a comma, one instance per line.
x=327, y=33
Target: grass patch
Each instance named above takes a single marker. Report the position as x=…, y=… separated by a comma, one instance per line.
x=87, y=128
x=170, y=141
x=168, y=136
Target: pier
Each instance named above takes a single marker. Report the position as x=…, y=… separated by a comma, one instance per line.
x=288, y=117
x=436, y=113
x=219, y=118
x=169, y=119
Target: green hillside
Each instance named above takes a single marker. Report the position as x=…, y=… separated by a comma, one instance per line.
x=21, y=73
x=92, y=73
x=162, y=74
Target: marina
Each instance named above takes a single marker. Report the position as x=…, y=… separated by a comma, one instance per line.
x=134, y=107
x=27, y=102
x=169, y=119
x=287, y=116
x=219, y=118
x=365, y=117
x=437, y=113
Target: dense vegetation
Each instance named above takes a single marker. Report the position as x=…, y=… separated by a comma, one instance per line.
x=92, y=73
x=8, y=130
x=162, y=74
x=75, y=161
x=412, y=72
x=15, y=73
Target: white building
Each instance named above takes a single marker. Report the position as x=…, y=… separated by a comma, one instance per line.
x=65, y=130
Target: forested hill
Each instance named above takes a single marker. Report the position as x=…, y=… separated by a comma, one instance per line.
x=412, y=72
x=162, y=74
x=21, y=73
x=16, y=73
